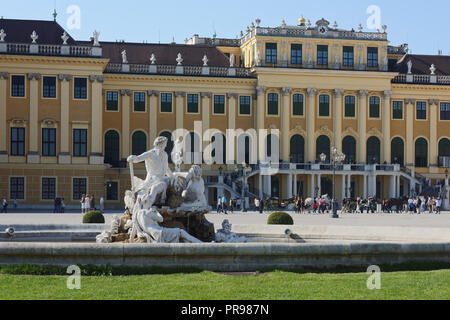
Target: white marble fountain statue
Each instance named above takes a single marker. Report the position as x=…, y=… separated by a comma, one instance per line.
x=166, y=207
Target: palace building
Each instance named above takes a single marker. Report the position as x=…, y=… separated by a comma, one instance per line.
x=72, y=111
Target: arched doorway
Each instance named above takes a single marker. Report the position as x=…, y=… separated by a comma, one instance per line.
x=444, y=150
x=326, y=187
x=421, y=153
x=192, y=154
x=349, y=149
x=275, y=182
x=297, y=149
x=398, y=151
x=323, y=145
x=373, y=150
x=272, y=148
x=112, y=147
x=139, y=143
x=244, y=152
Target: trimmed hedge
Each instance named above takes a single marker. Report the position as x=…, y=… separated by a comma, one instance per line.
x=94, y=217
x=280, y=218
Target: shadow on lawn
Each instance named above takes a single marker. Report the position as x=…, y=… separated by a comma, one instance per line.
x=90, y=270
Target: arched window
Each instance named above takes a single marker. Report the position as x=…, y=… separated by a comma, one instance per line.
x=297, y=149
x=192, y=147
x=421, y=153
x=244, y=150
x=170, y=144
x=139, y=143
x=112, y=147
x=373, y=150
x=272, y=148
x=219, y=151
x=323, y=145
x=349, y=149
x=444, y=151
x=398, y=151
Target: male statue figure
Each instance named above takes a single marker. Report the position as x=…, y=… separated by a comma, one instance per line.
x=159, y=175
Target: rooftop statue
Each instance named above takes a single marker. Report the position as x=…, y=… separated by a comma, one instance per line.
x=124, y=57
x=410, y=65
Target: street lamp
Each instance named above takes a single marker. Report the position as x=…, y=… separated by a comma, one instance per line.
x=336, y=157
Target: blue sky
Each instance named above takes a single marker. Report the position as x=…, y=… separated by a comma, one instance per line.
x=422, y=24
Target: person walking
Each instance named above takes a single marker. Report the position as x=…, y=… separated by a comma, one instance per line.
x=63, y=206
x=257, y=204
x=4, y=206
x=15, y=204
x=102, y=204
x=83, y=204
x=438, y=205
x=261, y=206
x=219, y=205
x=92, y=203
x=224, y=204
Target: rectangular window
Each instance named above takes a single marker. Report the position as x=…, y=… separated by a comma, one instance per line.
x=397, y=110
x=348, y=57
x=421, y=110
x=17, y=188
x=372, y=57
x=80, y=143
x=244, y=105
x=296, y=54
x=49, y=87
x=80, y=88
x=350, y=107
x=322, y=55
x=17, y=141
x=49, y=142
x=166, y=102
x=445, y=111
x=219, y=104
x=112, y=191
x=48, y=188
x=192, y=103
x=272, y=108
x=112, y=101
x=271, y=53
x=374, y=108
x=324, y=106
x=18, y=86
x=139, y=102
x=79, y=187
x=297, y=108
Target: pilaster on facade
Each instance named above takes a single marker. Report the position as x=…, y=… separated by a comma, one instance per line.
x=386, y=127
x=206, y=111
x=232, y=106
x=64, y=155
x=33, y=148
x=337, y=118
x=260, y=109
x=179, y=108
x=126, y=94
x=285, y=123
x=96, y=156
x=4, y=76
x=310, y=124
x=410, y=132
x=362, y=125
x=433, y=163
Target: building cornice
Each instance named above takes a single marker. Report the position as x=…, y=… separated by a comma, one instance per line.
x=14, y=58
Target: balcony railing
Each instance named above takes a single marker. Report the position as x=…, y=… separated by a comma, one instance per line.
x=329, y=167
x=50, y=50
x=178, y=70
x=422, y=79
x=309, y=33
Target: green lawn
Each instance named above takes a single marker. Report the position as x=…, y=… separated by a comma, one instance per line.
x=211, y=286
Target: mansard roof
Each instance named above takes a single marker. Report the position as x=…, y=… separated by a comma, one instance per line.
x=421, y=64
x=165, y=54
x=19, y=31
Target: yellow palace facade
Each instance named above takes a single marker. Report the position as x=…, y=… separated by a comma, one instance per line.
x=72, y=111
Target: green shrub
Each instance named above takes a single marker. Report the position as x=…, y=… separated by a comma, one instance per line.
x=93, y=217
x=281, y=218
